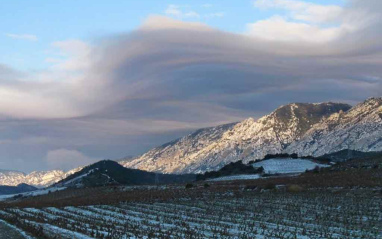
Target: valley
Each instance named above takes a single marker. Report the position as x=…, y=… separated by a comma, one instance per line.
x=332, y=202
x=239, y=180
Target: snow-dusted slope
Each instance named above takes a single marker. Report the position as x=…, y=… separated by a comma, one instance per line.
x=287, y=165
x=360, y=129
x=11, y=178
x=36, y=178
x=210, y=149
x=170, y=157
x=306, y=129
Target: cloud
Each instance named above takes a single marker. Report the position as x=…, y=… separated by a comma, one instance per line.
x=157, y=22
x=76, y=53
x=27, y=37
x=215, y=14
x=168, y=60
x=66, y=159
x=305, y=21
x=305, y=11
x=277, y=28
x=176, y=11
x=125, y=93
x=8, y=73
x=185, y=12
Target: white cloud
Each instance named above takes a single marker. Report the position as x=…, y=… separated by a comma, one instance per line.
x=161, y=22
x=305, y=11
x=303, y=22
x=184, y=12
x=27, y=37
x=178, y=12
x=76, y=52
x=66, y=159
x=33, y=102
x=277, y=28
x=215, y=14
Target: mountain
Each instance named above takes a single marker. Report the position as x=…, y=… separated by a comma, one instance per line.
x=172, y=156
x=306, y=129
x=108, y=172
x=36, y=178
x=11, y=178
x=21, y=188
x=359, y=128
x=212, y=148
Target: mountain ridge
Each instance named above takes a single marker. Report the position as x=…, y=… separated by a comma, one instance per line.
x=109, y=172
x=246, y=140
x=359, y=128
x=35, y=178
x=304, y=128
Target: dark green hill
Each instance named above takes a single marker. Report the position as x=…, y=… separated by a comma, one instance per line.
x=347, y=154
x=235, y=168
x=108, y=172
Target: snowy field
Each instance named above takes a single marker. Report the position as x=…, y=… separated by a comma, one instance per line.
x=252, y=215
x=236, y=177
x=33, y=193
x=8, y=231
x=287, y=165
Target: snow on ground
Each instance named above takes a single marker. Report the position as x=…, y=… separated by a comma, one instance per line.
x=33, y=193
x=287, y=165
x=10, y=231
x=251, y=215
x=236, y=177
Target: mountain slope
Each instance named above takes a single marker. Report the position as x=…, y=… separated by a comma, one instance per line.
x=108, y=172
x=167, y=157
x=306, y=129
x=11, y=178
x=211, y=149
x=21, y=188
x=348, y=154
x=360, y=129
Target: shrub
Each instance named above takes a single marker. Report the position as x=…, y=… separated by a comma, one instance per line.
x=269, y=186
x=316, y=169
x=206, y=185
x=189, y=185
x=294, y=188
x=250, y=187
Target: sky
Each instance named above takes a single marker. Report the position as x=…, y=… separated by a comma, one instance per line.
x=84, y=80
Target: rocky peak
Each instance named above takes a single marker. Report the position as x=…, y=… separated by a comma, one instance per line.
x=359, y=128
x=212, y=148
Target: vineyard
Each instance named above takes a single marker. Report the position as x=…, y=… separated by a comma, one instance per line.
x=250, y=214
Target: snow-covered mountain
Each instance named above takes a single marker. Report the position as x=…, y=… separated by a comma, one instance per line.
x=306, y=129
x=360, y=128
x=211, y=148
x=36, y=178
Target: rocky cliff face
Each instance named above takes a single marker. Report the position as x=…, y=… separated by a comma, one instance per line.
x=306, y=129
x=210, y=149
x=359, y=128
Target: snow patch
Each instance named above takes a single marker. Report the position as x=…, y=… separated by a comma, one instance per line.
x=287, y=165
x=236, y=177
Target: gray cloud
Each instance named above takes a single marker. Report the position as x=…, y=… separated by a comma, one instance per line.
x=67, y=159
x=140, y=89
